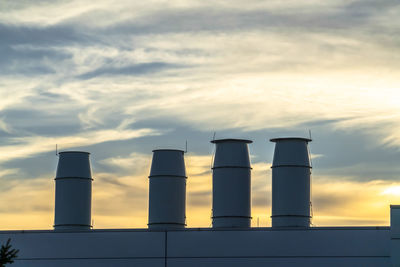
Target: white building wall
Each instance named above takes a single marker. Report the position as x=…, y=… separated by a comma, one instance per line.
x=308, y=247
x=336, y=246
x=395, y=234
x=92, y=248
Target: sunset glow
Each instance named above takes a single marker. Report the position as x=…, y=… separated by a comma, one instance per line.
x=119, y=80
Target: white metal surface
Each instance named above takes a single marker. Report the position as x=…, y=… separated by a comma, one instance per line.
x=271, y=242
x=73, y=197
x=291, y=183
x=167, y=190
x=308, y=247
x=231, y=184
x=157, y=262
x=88, y=248
x=280, y=262
x=395, y=234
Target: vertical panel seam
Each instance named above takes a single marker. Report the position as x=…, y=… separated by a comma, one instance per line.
x=166, y=248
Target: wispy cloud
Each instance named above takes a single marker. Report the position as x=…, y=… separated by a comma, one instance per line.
x=132, y=70
x=151, y=74
x=28, y=146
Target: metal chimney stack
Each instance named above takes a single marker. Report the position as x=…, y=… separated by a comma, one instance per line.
x=167, y=192
x=395, y=235
x=73, y=199
x=231, y=184
x=291, y=180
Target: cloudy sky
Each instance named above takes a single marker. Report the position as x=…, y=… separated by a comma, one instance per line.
x=120, y=78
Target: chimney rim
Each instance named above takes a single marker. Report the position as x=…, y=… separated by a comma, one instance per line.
x=275, y=140
x=231, y=140
x=64, y=152
x=167, y=149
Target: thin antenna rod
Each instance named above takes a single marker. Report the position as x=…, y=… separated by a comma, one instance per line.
x=56, y=150
x=311, y=206
x=186, y=147
x=211, y=165
x=309, y=152
x=213, y=151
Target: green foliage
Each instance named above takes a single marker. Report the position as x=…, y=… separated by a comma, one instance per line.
x=7, y=254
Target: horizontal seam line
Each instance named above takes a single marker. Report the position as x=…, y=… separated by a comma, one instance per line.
x=289, y=165
x=248, y=257
x=231, y=216
x=80, y=178
x=65, y=224
x=289, y=215
x=197, y=257
x=167, y=175
x=165, y=223
x=233, y=167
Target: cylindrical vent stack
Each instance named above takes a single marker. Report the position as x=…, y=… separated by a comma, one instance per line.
x=167, y=192
x=291, y=180
x=231, y=184
x=73, y=201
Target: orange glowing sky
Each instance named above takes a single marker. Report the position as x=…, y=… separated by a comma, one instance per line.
x=121, y=80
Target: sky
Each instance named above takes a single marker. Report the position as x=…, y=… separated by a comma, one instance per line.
x=121, y=78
